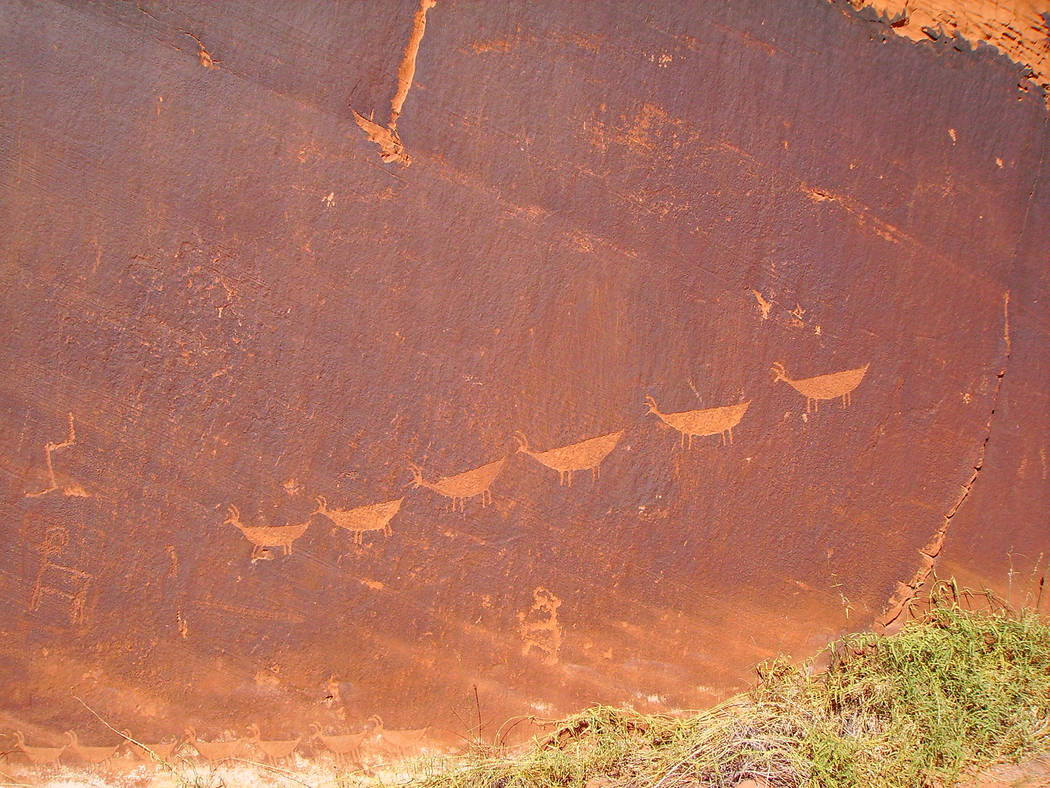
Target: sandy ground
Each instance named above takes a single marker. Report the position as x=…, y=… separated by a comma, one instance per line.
x=1034, y=773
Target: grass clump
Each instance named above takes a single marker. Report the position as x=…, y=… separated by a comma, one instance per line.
x=955, y=689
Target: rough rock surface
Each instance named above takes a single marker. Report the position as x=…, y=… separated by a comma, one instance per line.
x=427, y=263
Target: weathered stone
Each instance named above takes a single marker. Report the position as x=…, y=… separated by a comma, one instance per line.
x=690, y=334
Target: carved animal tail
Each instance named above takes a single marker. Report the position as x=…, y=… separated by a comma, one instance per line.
x=651, y=404
x=233, y=514
x=521, y=440
x=779, y=373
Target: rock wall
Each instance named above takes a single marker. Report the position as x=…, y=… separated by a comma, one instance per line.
x=403, y=359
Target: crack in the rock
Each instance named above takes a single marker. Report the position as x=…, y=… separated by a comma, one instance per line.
x=907, y=592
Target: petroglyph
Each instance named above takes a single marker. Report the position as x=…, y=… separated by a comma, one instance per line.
x=214, y=751
x=150, y=753
x=345, y=747
x=458, y=488
x=73, y=489
x=264, y=537
x=582, y=456
x=764, y=306
x=397, y=743
x=92, y=755
x=274, y=750
x=391, y=148
x=53, y=579
x=700, y=423
x=361, y=520
x=37, y=755
x=539, y=626
x=798, y=316
x=262, y=614
x=836, y=384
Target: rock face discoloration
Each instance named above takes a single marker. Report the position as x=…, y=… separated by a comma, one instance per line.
x=239, y=303
x=1019, y=29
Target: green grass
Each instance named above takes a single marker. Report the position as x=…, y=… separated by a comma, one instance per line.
x=953, y=690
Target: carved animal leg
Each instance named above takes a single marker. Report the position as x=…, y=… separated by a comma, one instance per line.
x=387, y=530
x=683, y=440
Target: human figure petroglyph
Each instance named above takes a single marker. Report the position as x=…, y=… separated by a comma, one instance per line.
x=264, y=537
x=539, y=626
x=823, y=387
x=582, y=456
x=700, y=423
x=461, y=486
x=73, y=489
x=362, y=519
x=59, y=580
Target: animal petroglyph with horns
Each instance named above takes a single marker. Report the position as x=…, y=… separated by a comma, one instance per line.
x=461, y=486
x=583, y=456
x=266, y=536
x=362, y=519
x=823, y=387
x=700, y=423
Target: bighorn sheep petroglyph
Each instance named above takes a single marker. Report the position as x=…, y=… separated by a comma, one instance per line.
x=92, y=755
x=345, y=747
x=267, y=536
x=214, y=751
x=274, y=750
x=150, y=753
x=582, y=456
x=37, y=755
x=836, y=384
x=398, y=743
x=700, y=423
x=462, y=486
x=361, y=520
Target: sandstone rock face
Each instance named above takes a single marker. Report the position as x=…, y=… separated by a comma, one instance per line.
x=360, y=358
